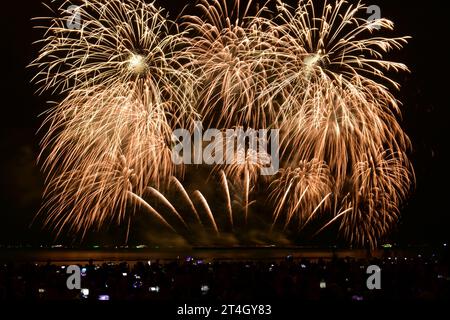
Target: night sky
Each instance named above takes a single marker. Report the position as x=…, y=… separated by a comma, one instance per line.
x=424, y=93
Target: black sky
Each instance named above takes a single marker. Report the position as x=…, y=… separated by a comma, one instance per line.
x=424, y=93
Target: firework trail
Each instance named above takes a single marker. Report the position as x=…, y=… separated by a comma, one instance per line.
x=166, y=202
x=245, y=170
x=205, y=221
x=183, y=191
x=228, y=198
x=141, y=202
x=216, y=223
x=207, y=208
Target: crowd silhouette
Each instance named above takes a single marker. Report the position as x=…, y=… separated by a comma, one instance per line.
x=229, y=280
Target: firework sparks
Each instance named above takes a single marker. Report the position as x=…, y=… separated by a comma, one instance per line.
x=128, y=77
x=337, y=110
x=232, y=61
x=380, y=183
x=125, y=92
x=245, y=170
x=302, y=190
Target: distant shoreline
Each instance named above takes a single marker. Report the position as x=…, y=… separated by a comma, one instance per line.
x=133, y=255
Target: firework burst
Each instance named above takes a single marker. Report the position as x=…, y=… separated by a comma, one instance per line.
x=379, y=184
x=102, y=144
x=233, y=63
x=337, y=108
x=302, y=191
x=117, y=42
x=128, y=77
x=111, y=134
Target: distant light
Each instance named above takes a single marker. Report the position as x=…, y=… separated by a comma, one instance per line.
x=323, y=284
x=357, y=298
x=85, y=292
x=103, y=297
x=41, y=290
x=205, y=288
x=153, y=289
x=445, y=244
x=124, y=274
